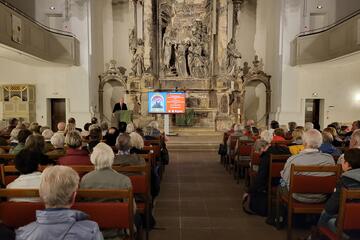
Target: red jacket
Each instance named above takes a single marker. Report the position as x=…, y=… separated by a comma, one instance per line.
x=75, y=157
x=278, y=139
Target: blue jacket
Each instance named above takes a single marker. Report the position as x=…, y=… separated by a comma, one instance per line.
x=56, y=224
x=330, y=149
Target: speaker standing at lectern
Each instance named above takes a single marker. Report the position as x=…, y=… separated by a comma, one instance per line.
x=120, y=105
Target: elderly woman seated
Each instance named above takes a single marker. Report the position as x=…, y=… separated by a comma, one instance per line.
x=58, y=191
x=152, y=131
x=105, y=177
x=47, y=134
x=21, y=137
x=58, y=144
x=75, y=155
x=124, y=157
x=27, y=164
x=136, y=140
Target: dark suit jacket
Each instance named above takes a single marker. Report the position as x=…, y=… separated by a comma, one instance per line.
x=119, y=107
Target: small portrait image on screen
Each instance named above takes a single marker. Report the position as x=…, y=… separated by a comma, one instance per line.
x=157, y=102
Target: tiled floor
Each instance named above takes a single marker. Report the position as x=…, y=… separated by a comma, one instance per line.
x=200, y=200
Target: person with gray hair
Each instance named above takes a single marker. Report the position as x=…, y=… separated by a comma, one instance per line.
x=308, y=126
x=47, y=134
x=57, y=189
x=310, y=156
x=57, y=140
x=136, y=140
x=152, y=130
x=354, y=143
x=124, y=157
x=75, y=155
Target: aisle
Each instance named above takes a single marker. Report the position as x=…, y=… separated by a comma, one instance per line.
x=199, y=200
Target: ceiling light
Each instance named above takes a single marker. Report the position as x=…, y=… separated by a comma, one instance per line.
x=319, y=6
x=52, y=8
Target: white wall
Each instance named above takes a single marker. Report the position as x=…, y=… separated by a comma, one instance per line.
x=121, y=50
x=245, y=33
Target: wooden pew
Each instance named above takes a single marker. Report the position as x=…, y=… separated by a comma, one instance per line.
x=108, y=215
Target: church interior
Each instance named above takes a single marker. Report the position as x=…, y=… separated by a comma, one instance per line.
x=179, y=119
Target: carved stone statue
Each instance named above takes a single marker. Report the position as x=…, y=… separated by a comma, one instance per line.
x=167, y=45
x=245, y=69
x=137, y=105
x=232, y=55
x=197, y=64
x=258, y=65
x=132, y=40
x=181, y=60
x=138, y=60
x=224, y=106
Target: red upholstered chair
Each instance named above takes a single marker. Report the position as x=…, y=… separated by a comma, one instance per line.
x=242, y=158
x=107, y=214
x=348, y=218
x=276, y=164
x=307, y=184
x=254, y=163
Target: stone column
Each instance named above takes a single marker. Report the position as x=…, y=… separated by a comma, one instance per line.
x=148, y=33
x=133, y=17
x=222, y=35
x=236, y=11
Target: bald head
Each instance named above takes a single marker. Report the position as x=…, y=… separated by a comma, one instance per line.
x=61, y=126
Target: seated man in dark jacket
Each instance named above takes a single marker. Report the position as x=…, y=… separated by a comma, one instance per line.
x=258, y=189
x=349, y=179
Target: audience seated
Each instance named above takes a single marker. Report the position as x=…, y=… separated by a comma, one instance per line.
x=296, y=146
x=95, y=136
x=152, y=131
x=292, y=126
x=258, y=188
x=337, y=141
x=104, y=177
x=57, y=140
x=124, y=157
x=104, y=128
x=75, y=155
x=73, y=122
x=14, y=134
x=58, y=191
x=85, y=133
x=122, y=127
x=22, y=136
x=349, y=179
x=111, y=136
x=355, y=125
x=136, y=140
x=69, y=128
x=35, y=144
x=47, y=134
x=273, y=125
x=354, y=143
x=327, y=147
x=27, y=164
x=279, y=135
x=309, y=126
x=35, y=127
x=61, y=128
x=311, y=155
x=12, y=124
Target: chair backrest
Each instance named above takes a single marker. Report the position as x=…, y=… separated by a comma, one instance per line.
x=300, y=182
x=106, y=214
x=255, y=158
x=276, y=164
x=245, y=147
x=349, y=212
x=139, y=176
x=233, y=141
x=281, y=143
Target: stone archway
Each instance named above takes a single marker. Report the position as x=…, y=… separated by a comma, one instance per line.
x=112, y=74
x=251, y=78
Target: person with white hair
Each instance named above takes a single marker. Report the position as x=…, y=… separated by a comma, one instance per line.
x=47, y=134
x=354, y=143
x=266, y=135
x=136, y=140
x=57, y=189
x=105, y=177
x=57, y=140
x=310, y=156
x=152, y=130
x=308, y=126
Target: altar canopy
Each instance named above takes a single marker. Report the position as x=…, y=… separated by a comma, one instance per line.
x=190, y=46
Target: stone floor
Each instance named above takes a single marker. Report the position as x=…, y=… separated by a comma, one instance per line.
x=200, y=200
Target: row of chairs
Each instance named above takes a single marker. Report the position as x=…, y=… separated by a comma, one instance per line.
x=108, y=215
x=139, y=176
